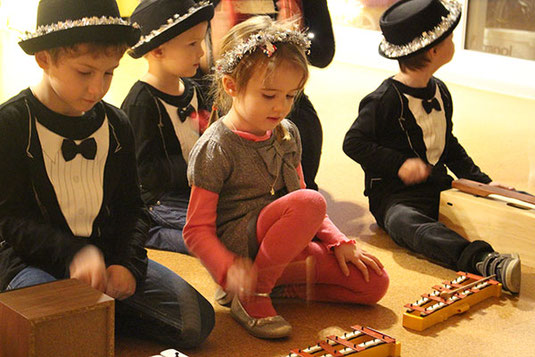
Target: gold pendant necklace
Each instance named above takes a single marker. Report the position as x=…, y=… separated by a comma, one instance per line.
x=272, y=185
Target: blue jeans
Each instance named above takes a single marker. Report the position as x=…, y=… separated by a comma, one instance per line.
x=168, y=218
x=419, y=230
x=166, y=308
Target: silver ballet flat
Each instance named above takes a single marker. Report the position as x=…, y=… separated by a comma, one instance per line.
x=267, y=327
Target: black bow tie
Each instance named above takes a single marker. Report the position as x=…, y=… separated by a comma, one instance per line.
x=184, y=113
x=88, y=149
x=429, y=105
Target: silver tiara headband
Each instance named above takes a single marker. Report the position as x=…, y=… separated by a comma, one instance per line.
x=172, y=21
x=69, y=24
x=263, y=40
x=427, y=37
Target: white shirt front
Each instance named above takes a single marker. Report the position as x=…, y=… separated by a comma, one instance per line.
x=78, y=183
x=433, y=126
x=187, y=132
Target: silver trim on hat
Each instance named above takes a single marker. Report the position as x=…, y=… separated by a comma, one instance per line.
x=395, y=51
x=70, y=24
x=172, y=21
x=230, y=59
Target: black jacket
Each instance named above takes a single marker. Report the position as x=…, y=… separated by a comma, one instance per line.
x=33, y=230
x=161, y=164
x=384, y=135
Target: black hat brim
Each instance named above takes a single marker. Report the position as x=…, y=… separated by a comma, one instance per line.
x=428, y=46
x=204, y=14
x=83, y=34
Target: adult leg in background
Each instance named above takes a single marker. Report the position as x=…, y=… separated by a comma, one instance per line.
x=304, y=116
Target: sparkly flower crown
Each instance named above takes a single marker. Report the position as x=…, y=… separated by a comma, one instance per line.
x=426, y=38
x=263, y=40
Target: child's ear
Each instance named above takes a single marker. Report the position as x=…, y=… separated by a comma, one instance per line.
x=229, y=85
x=431, y=53
x=43, y=59
x=157, y=52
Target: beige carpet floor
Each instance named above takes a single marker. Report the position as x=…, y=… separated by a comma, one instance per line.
x=496, y=130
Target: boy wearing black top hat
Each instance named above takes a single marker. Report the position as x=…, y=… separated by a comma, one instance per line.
x=403, y=140
x=167, y=110
x=70, y=205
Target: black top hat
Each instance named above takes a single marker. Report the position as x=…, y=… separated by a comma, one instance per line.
x=63, y=23
x=412, y=26
x=162, y=20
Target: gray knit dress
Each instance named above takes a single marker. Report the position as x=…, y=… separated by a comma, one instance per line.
x=242, y=172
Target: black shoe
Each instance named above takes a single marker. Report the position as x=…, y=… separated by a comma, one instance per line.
x=507, y=268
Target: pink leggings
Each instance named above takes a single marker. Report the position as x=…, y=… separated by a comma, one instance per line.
x=285, y=232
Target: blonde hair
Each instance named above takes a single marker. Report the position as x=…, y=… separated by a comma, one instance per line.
x=254, y=60
x=94, y=48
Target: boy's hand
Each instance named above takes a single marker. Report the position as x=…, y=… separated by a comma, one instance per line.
x=241, y=278
x=360, y=258
x=414, y=171
x=89, y=267
x=121, y=282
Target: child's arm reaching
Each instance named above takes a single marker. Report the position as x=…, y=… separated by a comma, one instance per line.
x=235, y=274
x=200, y=234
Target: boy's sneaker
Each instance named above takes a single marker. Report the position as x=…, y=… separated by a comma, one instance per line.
x=507, y=268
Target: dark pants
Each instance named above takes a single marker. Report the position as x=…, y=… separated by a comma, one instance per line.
x=168, y=220
x=414, y=224
x=166, y=308
x=306, y=119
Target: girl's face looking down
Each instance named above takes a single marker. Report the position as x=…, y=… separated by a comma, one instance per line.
x=266, y=99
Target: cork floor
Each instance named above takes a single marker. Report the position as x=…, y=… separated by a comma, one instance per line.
x=496, y=130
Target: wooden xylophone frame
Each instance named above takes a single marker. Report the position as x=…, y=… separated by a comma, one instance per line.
x=361, y=342
x=432, y=309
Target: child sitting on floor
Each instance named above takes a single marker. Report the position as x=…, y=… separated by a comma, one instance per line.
x=250, y=216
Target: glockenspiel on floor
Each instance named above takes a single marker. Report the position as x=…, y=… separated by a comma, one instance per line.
x=361, y=342
x=457, y=297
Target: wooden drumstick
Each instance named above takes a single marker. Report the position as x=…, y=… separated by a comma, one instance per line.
x=447, y=294
x=310, y=271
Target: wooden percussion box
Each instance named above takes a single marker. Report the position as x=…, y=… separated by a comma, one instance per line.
x=64, y=318
x=507, y=226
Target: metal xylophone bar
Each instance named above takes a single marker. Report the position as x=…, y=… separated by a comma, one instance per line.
x=327, y=346
x=441, y=302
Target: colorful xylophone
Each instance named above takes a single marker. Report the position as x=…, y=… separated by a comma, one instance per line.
x=361, y=342
x=432, y=308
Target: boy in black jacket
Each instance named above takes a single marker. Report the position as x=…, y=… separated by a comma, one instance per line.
x=167, y=110
x=70, y=205
x=403, y=139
